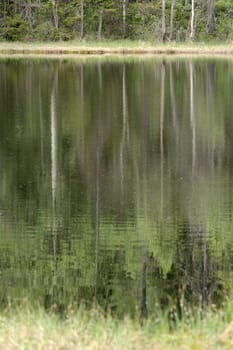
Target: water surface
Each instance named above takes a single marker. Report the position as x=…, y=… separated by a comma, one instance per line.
x=116, y=182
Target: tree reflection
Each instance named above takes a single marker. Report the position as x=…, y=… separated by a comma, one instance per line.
x=141, y=219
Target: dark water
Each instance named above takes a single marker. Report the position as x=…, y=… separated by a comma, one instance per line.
x=116, y=182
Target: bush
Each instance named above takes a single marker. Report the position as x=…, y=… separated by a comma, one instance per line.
x=14, y=29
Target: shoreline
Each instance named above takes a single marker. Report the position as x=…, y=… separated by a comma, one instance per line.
x=114, y=48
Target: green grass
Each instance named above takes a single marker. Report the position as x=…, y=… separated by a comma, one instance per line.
x=27, y=328
x=115, y=47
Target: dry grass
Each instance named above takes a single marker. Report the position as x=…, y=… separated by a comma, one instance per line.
x=91, y=330
x=115, y=47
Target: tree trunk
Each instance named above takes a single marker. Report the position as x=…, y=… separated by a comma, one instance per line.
x=163, y=20
x=192, y=21
x=99, y=34
x=171, y=18
x=210, y=27
x=82, y=20
x=124, y=16
x=28, y=14
x=55, y=16
x=4, y=9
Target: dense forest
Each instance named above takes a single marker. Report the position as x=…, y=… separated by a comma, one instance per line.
x=163, y=20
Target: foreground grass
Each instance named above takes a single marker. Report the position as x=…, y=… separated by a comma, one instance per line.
x=114, y=47
x=29, y=329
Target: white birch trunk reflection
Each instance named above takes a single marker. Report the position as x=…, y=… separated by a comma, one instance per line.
x=124, y=126
x=53, y=131
x=41, y=134
x=162, y=102
x=81, y=141
x=97, y=189
x=173, y=105
x=81, y=82
x=100, y=76
x=210, y=72
x=192, y=117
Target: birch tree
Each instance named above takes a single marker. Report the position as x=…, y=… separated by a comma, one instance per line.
x=192, y=20
x=100, y=24
x=171, y=18
x=53, y=132
x=82, y=19
x=124, y=16
x=163, y=19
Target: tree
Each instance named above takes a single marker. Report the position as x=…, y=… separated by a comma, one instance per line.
x=192, y=21
x=171, y=18
x=163, y=19
x=104, y=8
x=124, y=16
x=99, y=33
x=210, y=27
x=115, y=19
x=54, y=12
x=82, y=19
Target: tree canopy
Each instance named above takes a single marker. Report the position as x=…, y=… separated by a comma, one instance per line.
x=163, y=20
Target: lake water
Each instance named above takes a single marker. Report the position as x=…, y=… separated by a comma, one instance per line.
x=116, y=182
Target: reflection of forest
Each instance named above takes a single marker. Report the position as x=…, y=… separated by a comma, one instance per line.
x=116, y=181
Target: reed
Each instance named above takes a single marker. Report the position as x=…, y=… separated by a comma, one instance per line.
x=115, y=47
x=34, y=328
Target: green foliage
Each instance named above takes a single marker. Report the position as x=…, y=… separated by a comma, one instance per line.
x=15, y=28
x=46, y=31
x=143, y=20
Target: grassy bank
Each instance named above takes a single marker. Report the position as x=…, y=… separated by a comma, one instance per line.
x=30, y=329
x=114, y=47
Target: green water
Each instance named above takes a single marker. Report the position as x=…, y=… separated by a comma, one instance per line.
x=116, y=182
